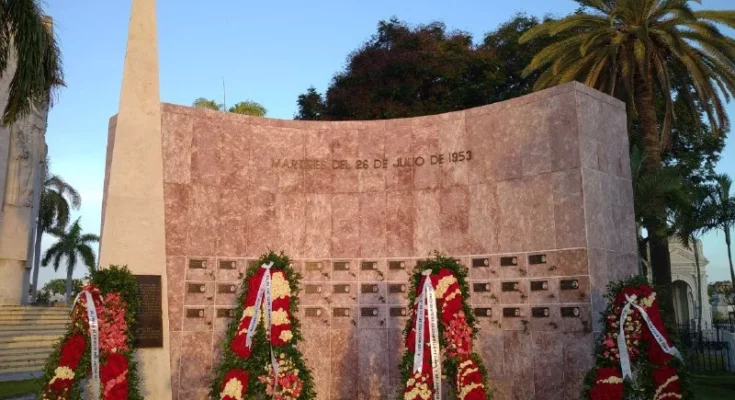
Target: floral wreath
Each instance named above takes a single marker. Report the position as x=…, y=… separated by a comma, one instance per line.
x=445, y=324
x=262, y=338
x=110, y=302
x=635, y=338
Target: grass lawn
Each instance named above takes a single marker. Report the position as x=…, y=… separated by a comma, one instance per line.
x=714, y=387
x=17, y=388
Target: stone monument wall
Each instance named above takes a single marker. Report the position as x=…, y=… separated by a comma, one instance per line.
x=533, y=195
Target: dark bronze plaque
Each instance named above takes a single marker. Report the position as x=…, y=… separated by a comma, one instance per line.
x=537, y=259
x=480, y=262
x=569, y=284
x=397, y=312
x=539, y=285
x=194, y=313
x=510, y=286
x=397, y=265
x=540, y=312
x=341, y=312
x=341, y=266
x=149, y=319
x=397, y=288
x=313, y=312
x=511, y=312
x=570, y=312
x=508, y=261
x=481, y=287
x=197, y=264
x=341, y=289
x=313, y=266
x=227, y=265
x=368, y=266
x=226, y=288
x=483, y=312
x=368, y=288
x=196, y=288
x=225, y=313
x=369, y=312
x=313, y=289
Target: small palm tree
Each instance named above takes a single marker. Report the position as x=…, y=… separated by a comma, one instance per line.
x=723, y=201
x=248, y=107
x=53, y=213
x=71, y=245
x=27, y=40
x=201, y=102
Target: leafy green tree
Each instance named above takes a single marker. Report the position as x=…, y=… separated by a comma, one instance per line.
x=201, y=102
x=53, y=213
x=72, y=244
x=59, y=286
x=311, y=105
x=248, y=107
x=27, y=40
x=723, y=200
x=631, y=48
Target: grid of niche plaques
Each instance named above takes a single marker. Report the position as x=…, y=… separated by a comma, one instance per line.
x=531, y=291
x=525, y=291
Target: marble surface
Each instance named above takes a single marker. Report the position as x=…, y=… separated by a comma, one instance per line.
x=547, y=176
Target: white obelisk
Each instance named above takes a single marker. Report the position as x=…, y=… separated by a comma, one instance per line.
x=133, y=230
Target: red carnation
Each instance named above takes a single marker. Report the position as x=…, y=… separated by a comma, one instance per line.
x=114, y=366
x=604, y=388
x=238, y=346
x=240, y=375
x=666, y=380
x=72, y=351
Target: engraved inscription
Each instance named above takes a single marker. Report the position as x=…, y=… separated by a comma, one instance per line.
x=537, y=259
x=396, y=265
x=196, y=288
x=511, y=312
x=194, y=313
x=539, y=285
x=510, y=287
x=570, y=312
x=226, y=288
x=225, y=313
x=508, y=261
x=313, y=289
x=368, y=266
x=341, y=288
x=480, y=262
x=569, y=284
x=368, y=312
x=397, y=288
x=341, y=312
x=149, y=319
x=227, y=265
x=313, y=312
x=483, y=312
x=397, y=312
x=368, y=288
x=481, y=287
x=540, y=312
x=341, y=266
x=197, y=264
x=313, y=266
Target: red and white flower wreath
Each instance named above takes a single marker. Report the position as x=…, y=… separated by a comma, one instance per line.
x=109, y=341
x=422, y=341
x=634, y=330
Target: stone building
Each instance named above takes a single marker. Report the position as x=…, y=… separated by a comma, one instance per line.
x=22, y=154
x=684, y=278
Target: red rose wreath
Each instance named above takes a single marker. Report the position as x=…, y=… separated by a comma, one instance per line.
x=635, y=339
x=439, y=335
x=260, y=355
x=103, y=348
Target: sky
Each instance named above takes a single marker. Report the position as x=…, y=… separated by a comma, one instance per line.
x=267, y=51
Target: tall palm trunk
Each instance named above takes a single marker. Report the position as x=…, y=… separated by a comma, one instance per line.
x=729, y=253
x=36, y=262
x=658, y=241
x=69, y=271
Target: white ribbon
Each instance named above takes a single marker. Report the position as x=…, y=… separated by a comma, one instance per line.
x=623, y=348
x=427, y=298
x=94, y=341
x=264, y=291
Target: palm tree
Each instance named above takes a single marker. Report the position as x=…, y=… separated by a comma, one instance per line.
x=693, y=218
x=27, y=41
x=53, y=213
x=201, y=102
x=631, y=48
x=248, y=107
x=71, y=245
x=724, y=202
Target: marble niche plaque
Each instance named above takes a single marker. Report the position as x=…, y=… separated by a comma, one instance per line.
x=149, y=320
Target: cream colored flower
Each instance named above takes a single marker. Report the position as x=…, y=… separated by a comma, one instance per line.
x=279, y=286
x=233, y=388
x=62, y=373
x=443, y=285
x=467, y=389
x=658, y=396
x=279, y=317
x=286, y=336
x=613, y=380
x=452, y=295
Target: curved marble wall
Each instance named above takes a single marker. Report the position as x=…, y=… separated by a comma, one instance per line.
x=529, y=191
